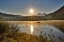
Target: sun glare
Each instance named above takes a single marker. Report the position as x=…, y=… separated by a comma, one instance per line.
x=31, y=10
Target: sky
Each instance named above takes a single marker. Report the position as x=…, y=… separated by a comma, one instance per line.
x=22, y=7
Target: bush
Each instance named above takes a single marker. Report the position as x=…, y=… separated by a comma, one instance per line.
x=4, y=27
x=7, y=29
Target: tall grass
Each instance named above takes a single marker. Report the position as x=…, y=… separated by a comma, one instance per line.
x=7, y=30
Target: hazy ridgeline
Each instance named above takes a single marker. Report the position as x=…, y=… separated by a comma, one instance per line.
x=57, y=15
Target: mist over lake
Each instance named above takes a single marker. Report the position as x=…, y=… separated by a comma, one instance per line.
x=45, y=27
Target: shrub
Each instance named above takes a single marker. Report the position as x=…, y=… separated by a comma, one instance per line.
x=7, y=30
x=4, y=27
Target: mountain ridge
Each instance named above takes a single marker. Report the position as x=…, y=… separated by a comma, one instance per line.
x=57, y=15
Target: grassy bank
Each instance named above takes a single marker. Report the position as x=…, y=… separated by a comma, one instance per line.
x=10, y=33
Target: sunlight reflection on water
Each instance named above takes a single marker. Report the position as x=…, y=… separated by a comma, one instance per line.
x=31, y=28
x=35, y=28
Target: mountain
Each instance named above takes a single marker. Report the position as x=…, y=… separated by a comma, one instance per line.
x=7, y=15
x=4, y=16
x=59, y=11
x=57, y=15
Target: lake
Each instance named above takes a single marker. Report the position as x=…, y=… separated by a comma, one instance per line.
x=40, y=27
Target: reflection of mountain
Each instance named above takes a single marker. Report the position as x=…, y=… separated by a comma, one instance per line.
x=59, y=14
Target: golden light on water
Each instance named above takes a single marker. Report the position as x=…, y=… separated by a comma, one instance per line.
x=31, y=22
x=31, y=28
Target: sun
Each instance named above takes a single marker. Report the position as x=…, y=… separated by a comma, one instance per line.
x=31, y=10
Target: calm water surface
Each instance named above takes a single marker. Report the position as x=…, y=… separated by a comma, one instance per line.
x=38, y=28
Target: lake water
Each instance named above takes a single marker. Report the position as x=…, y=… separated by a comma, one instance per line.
x=35, y=28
